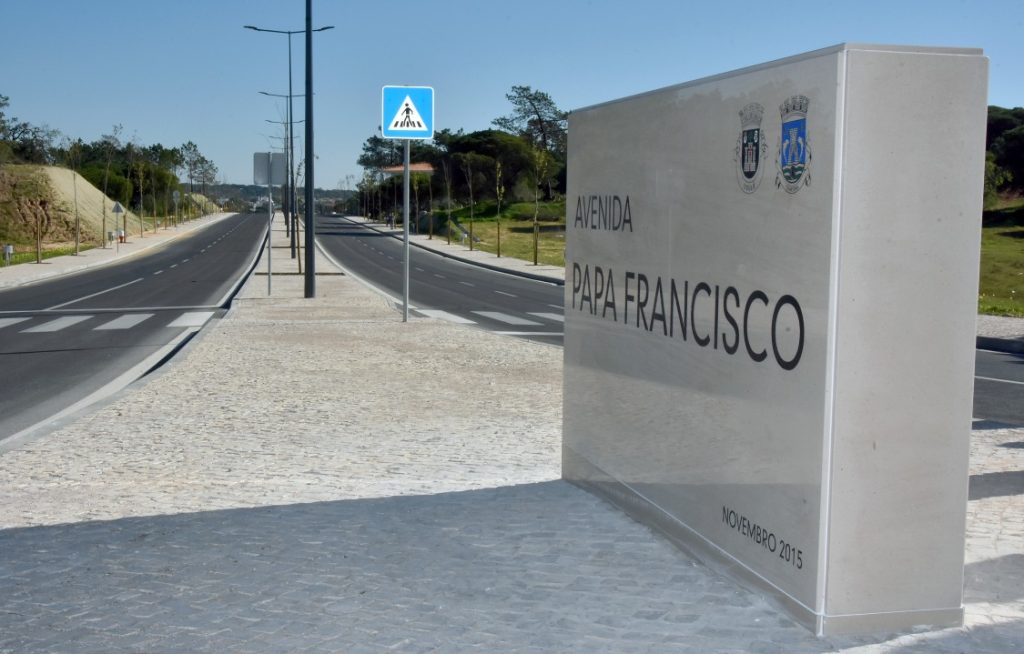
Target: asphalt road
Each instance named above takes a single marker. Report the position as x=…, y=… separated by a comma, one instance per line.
x=447, y=289
x=450, y=290
x=65, y=339
x=999, y=387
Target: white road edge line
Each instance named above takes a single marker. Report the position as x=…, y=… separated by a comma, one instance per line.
x=530, y=333
x=1004, y=381
x=113, y=288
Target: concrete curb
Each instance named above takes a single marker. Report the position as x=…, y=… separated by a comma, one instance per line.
x=1007, y=345
x=471, y=262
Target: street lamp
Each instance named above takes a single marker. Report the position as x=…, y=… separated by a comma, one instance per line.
x=289, y=144
x=291, y=150
x=290, y=224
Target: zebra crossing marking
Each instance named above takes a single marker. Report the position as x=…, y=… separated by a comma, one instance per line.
x=126, y=321
x=446, y=316
x=56, y=325
x=7, y=322
x=192, y=319
x=505, y=318
x=557, y=317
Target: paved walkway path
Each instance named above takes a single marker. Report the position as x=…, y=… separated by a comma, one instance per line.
x=316, y=476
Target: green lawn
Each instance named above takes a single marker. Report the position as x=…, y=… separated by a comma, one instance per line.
x=517, y=230
x=30, y=255
x=1001, y=284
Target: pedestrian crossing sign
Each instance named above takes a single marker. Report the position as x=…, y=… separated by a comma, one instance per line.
x=407, y=112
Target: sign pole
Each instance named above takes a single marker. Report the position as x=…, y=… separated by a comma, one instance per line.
x=407, y=112
x=270, y=225
x=405, y=234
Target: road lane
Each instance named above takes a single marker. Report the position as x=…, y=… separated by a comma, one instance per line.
x=64, y=338
x=444, y=288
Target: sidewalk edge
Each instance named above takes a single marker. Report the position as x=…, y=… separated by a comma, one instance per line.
x=1008, y=345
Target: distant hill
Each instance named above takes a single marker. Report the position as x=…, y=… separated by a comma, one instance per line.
x=249, y=193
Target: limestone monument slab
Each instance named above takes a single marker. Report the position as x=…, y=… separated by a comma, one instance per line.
x=770, y=320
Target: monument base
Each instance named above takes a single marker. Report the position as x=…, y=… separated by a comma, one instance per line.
x=582, y=473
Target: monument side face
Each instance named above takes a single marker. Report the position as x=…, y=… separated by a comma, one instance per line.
x=705, y=319
x=909, y=240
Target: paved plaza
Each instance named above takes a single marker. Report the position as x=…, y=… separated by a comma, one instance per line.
x=317, y=476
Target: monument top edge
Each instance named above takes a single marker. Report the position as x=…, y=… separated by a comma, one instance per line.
x=823, y=52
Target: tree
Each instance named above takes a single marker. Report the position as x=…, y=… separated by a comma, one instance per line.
x=206, y=172
x=499, y=193
x=72, y=155
x=24, y=141
x=536, y=116
x=111, y=144
x=471, y=164
x=379, y=153
x=539, y=172
x=995, y=179
x=1009, y=155
x=1001, y=120
x=191, y=159
x=443, y=158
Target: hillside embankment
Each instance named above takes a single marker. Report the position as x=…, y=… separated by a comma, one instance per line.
x=45, y=198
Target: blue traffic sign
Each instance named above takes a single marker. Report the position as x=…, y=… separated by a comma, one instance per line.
x=407, y=112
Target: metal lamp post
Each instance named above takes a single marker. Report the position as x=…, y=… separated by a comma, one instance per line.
x=291, y=129
x=290, y=154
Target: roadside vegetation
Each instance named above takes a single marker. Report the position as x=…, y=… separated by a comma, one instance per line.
x=1001, y=279
x=515, y=171
x=514, y=231
x=48, y=186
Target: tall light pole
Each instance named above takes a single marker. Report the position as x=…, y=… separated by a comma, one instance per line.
x=290, y=154
x=291, y=151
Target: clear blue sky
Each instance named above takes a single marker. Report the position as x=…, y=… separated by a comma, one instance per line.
x=183, y=70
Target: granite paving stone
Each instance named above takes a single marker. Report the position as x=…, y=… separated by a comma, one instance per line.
x=315, y=475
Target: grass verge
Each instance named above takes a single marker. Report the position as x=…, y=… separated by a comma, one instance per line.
x=48, y=253
x=516, y=230
x=1001, y=279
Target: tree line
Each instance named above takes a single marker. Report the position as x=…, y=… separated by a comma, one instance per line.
x=522, y=159
x=1004, y=153
x=141, y=177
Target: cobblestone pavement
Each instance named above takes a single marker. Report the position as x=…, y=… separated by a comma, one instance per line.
x=317, y=476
